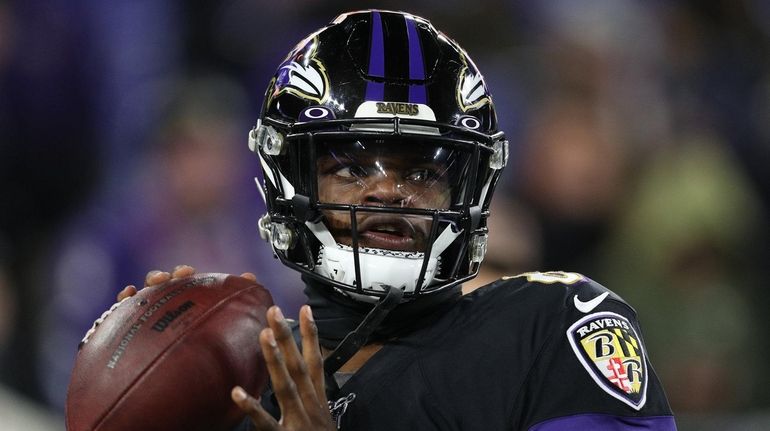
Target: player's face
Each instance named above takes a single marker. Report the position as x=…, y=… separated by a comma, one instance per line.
x=379, y=174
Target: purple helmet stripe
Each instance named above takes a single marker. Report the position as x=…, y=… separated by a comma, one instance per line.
x=416, y=66
x=376, y=90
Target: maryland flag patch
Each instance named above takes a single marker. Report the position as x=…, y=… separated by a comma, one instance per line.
x=611, y=351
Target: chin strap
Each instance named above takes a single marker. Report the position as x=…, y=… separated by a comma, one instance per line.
x=358, y=337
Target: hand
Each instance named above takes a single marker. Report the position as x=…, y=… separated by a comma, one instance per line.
x=155, y=278
x=298, y=379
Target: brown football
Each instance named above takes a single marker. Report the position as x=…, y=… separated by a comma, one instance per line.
x=167, y=357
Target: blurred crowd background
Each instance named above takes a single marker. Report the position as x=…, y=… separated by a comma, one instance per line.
x=640, y=137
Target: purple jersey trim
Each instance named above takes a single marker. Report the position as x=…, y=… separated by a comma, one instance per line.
x=416, y=66
x=599, y=422
x=376, y=90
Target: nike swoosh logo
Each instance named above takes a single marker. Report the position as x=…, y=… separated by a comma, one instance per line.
x=587, y=306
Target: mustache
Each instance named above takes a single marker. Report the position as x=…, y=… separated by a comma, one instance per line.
x=409, y=226
x=403, y=225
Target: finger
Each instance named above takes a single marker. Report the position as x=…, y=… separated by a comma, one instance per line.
x=295, y=363
x=283, y=385
x=156, y=277
x=249, y=276
x=311, y=352
x=127, y=292
x=250, y=405
x=181, y=271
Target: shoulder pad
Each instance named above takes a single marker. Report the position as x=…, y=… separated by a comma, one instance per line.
x=581, y=292
x=609, y=346
x=598, y=332
x=552, y=277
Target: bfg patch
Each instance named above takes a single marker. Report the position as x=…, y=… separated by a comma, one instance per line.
x=612, y=352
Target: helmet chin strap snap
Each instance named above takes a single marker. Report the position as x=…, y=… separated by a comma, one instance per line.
x=357, y=338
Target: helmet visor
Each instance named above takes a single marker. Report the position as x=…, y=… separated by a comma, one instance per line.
x=390, y=183
x=388, y=173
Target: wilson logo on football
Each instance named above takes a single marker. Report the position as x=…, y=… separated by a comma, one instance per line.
x=611, y=351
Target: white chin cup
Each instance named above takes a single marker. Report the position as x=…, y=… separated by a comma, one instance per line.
x=379, y=268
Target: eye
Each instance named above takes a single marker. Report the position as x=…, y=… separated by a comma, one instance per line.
x=352, y=171
x=421, y=175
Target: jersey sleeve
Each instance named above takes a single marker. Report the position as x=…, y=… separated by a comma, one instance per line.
x=594, y=371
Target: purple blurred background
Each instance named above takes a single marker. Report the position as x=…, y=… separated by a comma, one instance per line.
x=640, y=134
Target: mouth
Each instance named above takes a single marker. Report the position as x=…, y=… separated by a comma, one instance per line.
x=390, y=233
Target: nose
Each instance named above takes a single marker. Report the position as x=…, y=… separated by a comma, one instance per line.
x=387, y=190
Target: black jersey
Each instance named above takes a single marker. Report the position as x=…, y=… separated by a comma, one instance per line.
x=538, y=352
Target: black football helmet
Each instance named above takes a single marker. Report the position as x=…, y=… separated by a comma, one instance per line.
x=380, y=151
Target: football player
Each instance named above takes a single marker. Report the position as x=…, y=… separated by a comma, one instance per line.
x=380, y=151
